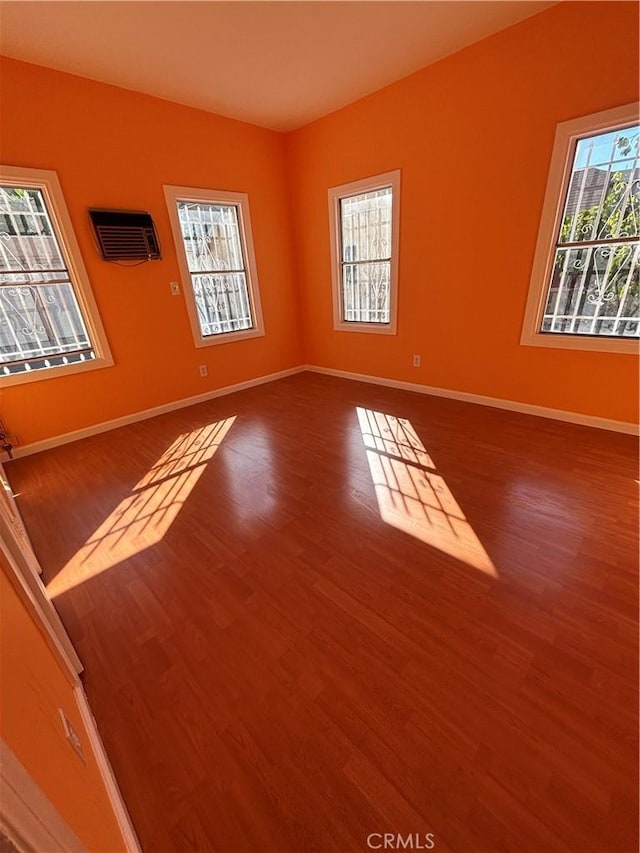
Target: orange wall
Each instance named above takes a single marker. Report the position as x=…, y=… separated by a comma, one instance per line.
x=115, y=148
x=473, y=136
x=34, y=686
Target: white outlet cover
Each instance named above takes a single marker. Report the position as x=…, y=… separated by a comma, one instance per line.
x=175, y=288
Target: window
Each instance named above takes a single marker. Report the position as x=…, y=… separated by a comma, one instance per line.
x=212, y=233
x=49, y=322
x=584, y=290
x=364, y=252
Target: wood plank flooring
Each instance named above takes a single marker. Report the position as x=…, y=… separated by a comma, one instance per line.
x=274, y=666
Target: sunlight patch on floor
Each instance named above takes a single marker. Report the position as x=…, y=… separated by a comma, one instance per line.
x=412, y=496
x=142, y=519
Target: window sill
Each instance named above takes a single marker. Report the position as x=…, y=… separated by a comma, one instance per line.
x=557, y=340
x=368, y=328
x=54, y=372
x=229, y=337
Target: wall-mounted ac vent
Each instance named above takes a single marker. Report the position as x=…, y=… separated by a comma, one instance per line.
x=125, y=235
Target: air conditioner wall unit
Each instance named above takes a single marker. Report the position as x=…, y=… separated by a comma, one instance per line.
x=125, y=235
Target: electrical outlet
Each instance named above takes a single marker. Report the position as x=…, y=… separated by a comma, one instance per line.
x=175, y=288
x=417, y=359
x=203, y=370
x=72, y=736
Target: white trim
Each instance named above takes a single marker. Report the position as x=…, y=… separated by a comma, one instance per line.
x=494, y=402
x=106, y=771
x=376, y=182
x=567, y=135
x=31, y=591
x=48, y=183
x=29, y=817
x=19, y=536
x=105, y=426
x=172, y=196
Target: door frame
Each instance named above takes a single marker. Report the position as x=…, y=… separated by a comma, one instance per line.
x=18, y=562
x=24, y=569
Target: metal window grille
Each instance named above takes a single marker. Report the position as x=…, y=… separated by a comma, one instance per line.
x=217, y=266
x=365, y=232
x=594, y=287
x=41, y=324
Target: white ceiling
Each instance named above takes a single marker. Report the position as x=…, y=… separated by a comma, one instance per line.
x=275, y=64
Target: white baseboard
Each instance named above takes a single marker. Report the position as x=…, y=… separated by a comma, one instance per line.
x=464, y=396
x=109, y=780
x=494, y=402
x=105, y=426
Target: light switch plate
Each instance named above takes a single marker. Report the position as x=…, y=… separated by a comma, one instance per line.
x=72, y=736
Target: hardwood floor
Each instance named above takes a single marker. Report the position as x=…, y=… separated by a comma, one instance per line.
x=282, y=657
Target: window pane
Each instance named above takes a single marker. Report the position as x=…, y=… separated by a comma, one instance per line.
x=366, y=226
x=211, y=235
x=27, y=240
x=595, y=291
x=603, y=201
x=222, y=302
x=41, y=324
x=366, y=292
x=39, y=321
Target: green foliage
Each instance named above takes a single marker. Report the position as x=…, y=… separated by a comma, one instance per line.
x=618, y=217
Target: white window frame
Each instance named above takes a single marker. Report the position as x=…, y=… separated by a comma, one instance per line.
x=567, y=135
x=175, y=194
x=48, y=183
x=336, y=194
